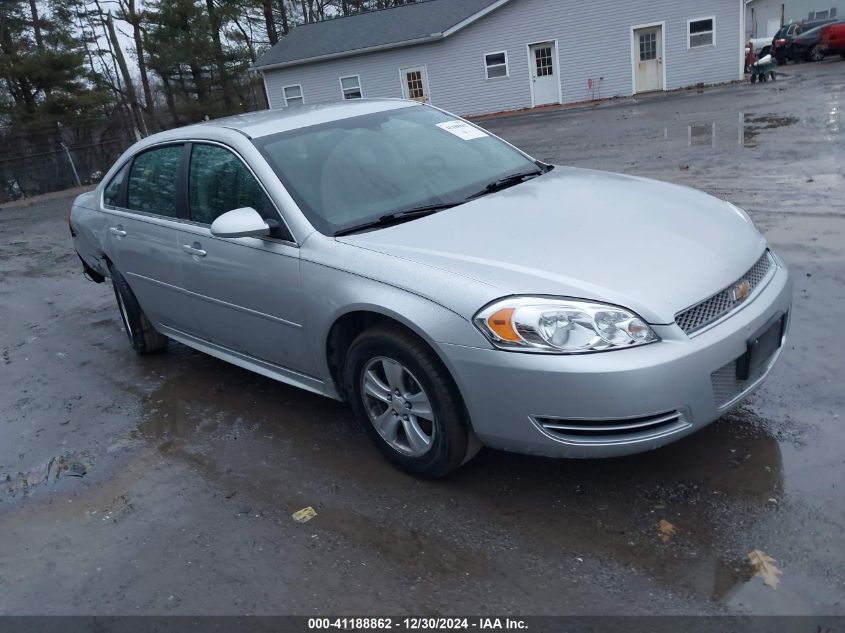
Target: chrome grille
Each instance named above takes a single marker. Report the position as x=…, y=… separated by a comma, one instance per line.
x=701, y=314
x=615, y=431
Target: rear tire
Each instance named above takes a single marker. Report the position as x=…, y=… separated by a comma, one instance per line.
x=407, y=402
x=142, y=335
x=816, y=54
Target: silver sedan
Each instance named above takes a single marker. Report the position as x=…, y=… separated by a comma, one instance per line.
x=454, y=290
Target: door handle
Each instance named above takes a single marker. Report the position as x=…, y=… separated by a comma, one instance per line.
x=194, y=250
x=116, y=231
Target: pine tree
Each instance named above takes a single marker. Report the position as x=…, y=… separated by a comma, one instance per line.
x=47, y=93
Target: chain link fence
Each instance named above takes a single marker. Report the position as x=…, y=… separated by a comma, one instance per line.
x=36, y=170
x=39, y=159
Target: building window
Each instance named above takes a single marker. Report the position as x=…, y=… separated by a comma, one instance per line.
x=496, y=64
x=293, y=95
x=648, y=46
x=543, y=61
x=701, y=32
x=824, y=14
x=414, y=82
x=350, y=87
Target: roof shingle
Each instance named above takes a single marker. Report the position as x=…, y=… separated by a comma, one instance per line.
x=397, y=26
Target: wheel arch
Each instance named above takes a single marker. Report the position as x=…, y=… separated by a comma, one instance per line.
x=349, y=324
x=357, y=319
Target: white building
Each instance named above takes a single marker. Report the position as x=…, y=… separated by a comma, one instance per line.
x=482, y=56
x=764, y=17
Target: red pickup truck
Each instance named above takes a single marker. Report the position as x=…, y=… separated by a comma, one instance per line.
x=832, y=39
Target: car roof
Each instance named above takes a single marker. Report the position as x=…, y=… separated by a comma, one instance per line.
x=812, y=30
x=266, y=122
x=817, y=23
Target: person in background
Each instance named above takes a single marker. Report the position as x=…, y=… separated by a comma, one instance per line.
x=750, y=57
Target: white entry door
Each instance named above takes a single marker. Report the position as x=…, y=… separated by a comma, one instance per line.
x=415, y=84
x=545, y=83
x=648, y=55
x=772, y=27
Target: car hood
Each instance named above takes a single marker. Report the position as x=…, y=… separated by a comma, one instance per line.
x=650, y=246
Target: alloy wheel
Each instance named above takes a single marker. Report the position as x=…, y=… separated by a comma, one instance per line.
x=398, y=406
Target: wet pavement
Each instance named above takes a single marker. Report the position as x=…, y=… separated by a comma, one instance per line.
x=165, y=484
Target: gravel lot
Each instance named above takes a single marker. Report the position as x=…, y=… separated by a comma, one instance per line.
x=165, y=484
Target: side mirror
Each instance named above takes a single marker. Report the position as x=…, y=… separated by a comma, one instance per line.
x=244, y=222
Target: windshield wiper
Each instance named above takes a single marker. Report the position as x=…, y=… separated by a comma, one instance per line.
x=505, y=182
x=398, y=216
x=418, y=212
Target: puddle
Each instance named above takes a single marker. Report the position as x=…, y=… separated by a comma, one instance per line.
x=741, y=129
x=833, y=116
x=702, y=134
x=752, y=125
x=721, y=488
x=275, y=448
x=206, y=402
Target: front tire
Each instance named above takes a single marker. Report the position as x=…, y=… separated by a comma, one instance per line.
x=142, y=335
x=407, y=403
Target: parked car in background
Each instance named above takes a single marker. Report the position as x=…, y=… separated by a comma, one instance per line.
x=805, y=47
x=832, y=39
x=782, y=41
x=761, y=46
x=454, y=290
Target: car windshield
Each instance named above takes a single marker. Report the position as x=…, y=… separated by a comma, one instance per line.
x=351, y=172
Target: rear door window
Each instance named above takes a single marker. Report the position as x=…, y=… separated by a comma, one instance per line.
x=153, y=181
x=113, y=191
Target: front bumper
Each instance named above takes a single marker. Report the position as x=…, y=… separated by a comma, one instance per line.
x=619, y=402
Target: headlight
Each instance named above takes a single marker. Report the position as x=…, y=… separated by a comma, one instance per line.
x=561, y=326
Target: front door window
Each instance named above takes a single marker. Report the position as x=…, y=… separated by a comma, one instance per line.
x=543, y=60
x=648, y=46
x=415, y=85
x=219, y=182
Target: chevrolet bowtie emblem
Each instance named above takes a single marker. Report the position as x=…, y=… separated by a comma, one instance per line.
x=741, y=291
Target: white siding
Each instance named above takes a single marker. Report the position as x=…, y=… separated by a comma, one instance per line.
x=594, y=42
x=759, y=12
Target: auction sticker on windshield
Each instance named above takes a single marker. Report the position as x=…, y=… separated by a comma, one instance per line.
x=462, y=130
